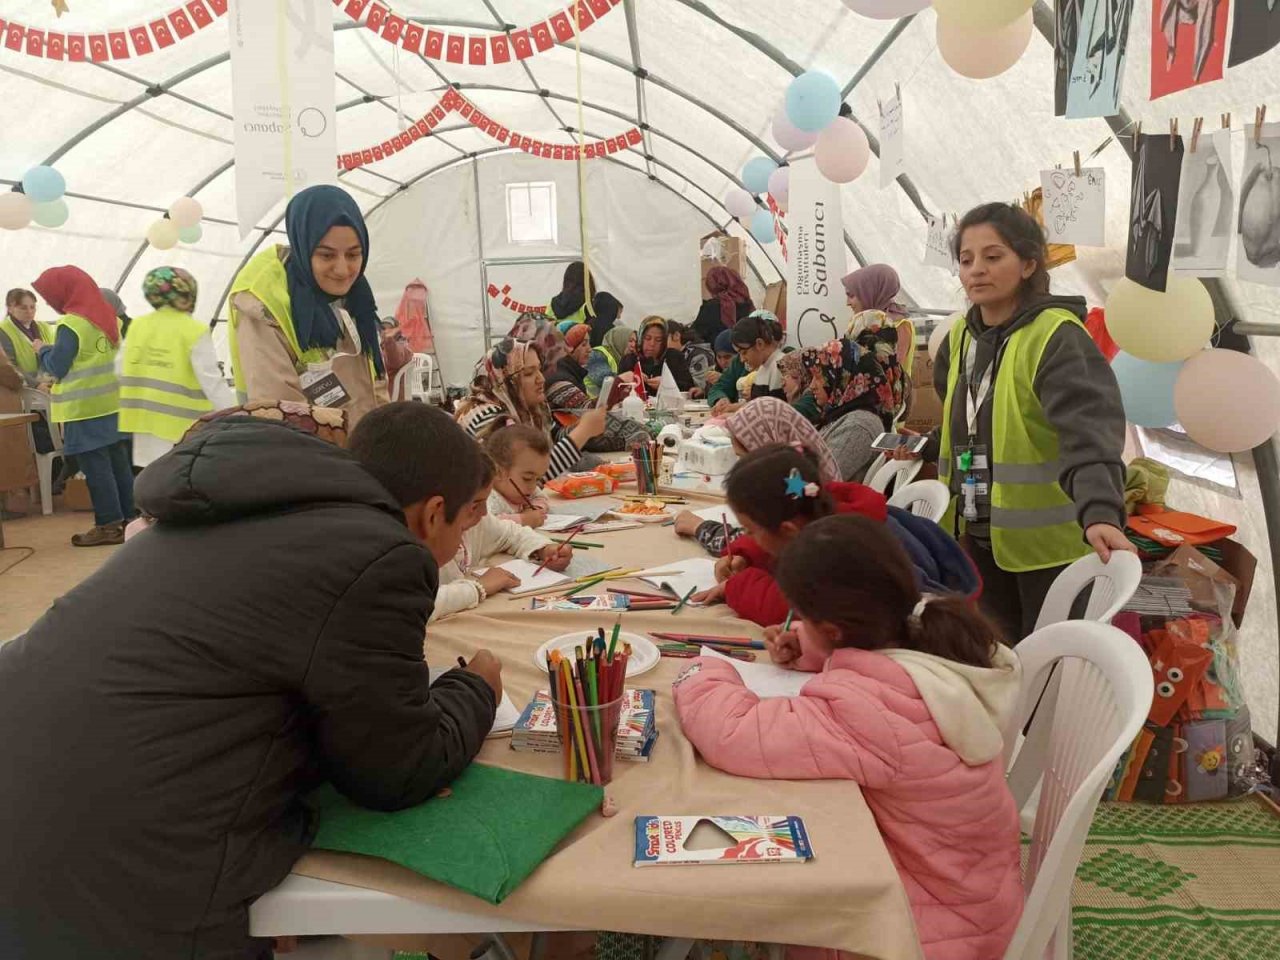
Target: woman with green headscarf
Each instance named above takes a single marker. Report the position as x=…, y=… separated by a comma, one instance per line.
x=168, y=370
x=605, y=359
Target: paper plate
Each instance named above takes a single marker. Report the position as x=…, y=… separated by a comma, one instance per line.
x=644, y=653
x=643, y=517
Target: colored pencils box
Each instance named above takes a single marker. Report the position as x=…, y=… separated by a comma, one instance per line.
x=662, y=841
x=535, y=731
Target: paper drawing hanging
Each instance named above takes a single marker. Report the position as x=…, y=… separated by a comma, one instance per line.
x=1090, y=44
x=1153, y=209
x=1188, y=43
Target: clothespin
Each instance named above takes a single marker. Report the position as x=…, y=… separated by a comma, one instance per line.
x=1259, y=117
x=897, y=90
x=1226, y=120
x=1195, y=133
x=1076, y=156
x=1137, y=132
x=1173, y=134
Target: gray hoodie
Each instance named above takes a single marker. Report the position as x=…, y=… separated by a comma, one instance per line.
x=1081, y=401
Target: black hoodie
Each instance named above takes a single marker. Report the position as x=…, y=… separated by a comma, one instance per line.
x=159, y=724
x=1080, y=398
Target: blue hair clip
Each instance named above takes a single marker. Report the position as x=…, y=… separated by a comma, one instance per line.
x=797, y=487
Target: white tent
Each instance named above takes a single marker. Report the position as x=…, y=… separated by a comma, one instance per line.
x=702, y=78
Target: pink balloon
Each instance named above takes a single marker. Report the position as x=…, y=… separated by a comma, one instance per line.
x=886, y=9
x=780, y=184
x=788, y=136
x=1227, y=401
x=842, y=151
x=739, y=203
x=983, y=53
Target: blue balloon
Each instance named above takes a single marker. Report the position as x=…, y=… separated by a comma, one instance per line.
x=1146, y=389
x=813, y=101
x=43, y=184
x=762, y=226
x=755, y=175
x=191, y=234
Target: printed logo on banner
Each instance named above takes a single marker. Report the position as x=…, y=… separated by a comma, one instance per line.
x=55, y=46
x=562, y=27
x=181, y=24
x=200, y=15
x=455, y=48
x=393, y=29
x=542, y=36
x=411, y=39
x=500, y=47
x=35, y=43
x=97, y=47
x=119, y=46
x=141, y=40
x=477, y=50
x=377, y=15
x=521, y=44
x=75, y=47
x=435, y=44
x=160, y=30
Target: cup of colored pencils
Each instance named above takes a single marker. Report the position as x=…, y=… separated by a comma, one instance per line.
x=587, y=693
x=647, y=458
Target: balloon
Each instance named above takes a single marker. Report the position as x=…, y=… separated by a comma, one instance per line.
x=1161, y=327
x=940, y=333
x=15, y=210
x=784, y=204
x=739, y=203
x=43, y=184
x=982, y=53
x=163, y=234
x=1146, y=389
x=842, y=151
x=755, y=175
x=1227, y=401
x=813, y=101
x=191, y=234
x=762, y=226
x=886, y=9
x=981, y=14
x=51, y=214
x=185, y=212
x=780, y=183
x=790, y=138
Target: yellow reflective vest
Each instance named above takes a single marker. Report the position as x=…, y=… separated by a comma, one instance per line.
x=89, y=389
x=160, y=393
x=1033, y=521
x=24, y=355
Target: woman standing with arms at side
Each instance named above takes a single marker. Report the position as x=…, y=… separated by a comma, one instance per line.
x=86, y=397
x=303, y=321
x=1033, y=427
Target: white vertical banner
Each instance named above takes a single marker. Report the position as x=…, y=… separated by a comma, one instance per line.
x=816, y=308
x=282, y=101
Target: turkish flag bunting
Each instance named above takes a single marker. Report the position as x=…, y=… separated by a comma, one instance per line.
x=356, y=7
x=219, y=7
x=451, y=100
x=557, y=152
x=438, y=112
x=160, y=30
x=500, y=48
x=612, y=145
x=347, y=161
x=585, y=19
x=521, y=44
x=35, y=42
x=200, y=15
x=377, y=15
x=119, y=45
x=411, y=39
x=435, y=44
x=377, y=152
x=414, y=132
x=388, y=148
x=393, y=29
x=455, y=48
x=98, y=47
x=141, y=40
x=599, y=7
x=590, y=151
x=477, y=50
x=503, y=133
x=13, y=36
x=466, y=110
x=75, y=47
x=181, y=25
x=542, y=36
x=366, y=156
x=634, y=137
x=55, y=46
x=562, y=27
x=423, y=127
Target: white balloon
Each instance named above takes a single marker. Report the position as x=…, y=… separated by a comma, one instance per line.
x=185, y=212
x=842, y=151
x=1227, y=401
x=788, y=136
x=886, y=9
x=981, y=14
x=15, y=210
x=1160, y=327
x=981, y=53
x=780, y=184
x=739, y=203
x=163, y=234
x=940, y=333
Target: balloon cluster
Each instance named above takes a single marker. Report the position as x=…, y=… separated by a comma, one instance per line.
x=181, y=224
x=40, y=200
x=977, y=39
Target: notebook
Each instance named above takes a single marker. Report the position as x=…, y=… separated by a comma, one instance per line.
x=698, y=574
x=581, y=566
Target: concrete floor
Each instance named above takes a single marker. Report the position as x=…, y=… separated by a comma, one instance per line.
x=28, y=587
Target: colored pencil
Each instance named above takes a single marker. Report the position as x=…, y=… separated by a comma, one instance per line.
x=683, y=601
x=462, y=663
x=581, y=587
x=543, y=565
x=787, y=624
x=641, y=594
x=742, y=642
x=584, y=730
x=577, y=543
x=613, y=643
x=527, y=502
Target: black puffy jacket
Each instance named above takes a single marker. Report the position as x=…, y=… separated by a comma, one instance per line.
x=159, y=724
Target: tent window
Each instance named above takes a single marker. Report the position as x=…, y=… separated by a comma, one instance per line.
x=531, y=213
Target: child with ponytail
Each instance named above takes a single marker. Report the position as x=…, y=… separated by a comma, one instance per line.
x=915, y=698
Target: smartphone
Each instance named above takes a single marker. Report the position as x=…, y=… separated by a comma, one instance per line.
x=899, y=441
x=606, y=391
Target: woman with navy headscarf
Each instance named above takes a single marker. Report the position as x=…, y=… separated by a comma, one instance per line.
x=304, y=324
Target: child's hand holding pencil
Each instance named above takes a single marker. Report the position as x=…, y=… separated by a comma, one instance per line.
x=555, y=556
x=783, y=644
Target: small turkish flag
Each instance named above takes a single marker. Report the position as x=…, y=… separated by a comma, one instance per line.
x=599, y=7
x=451, y=100
x=562, y=27
x=13, y=36
x=423, y=127
x=377, y=152
x=438, y=112
x=414, y=133
x=55, y=47
x=97, y=47
x=377, y=14
x=585, y=19
x=366, y=156
x=141, y=40
x=347, y=161
x=634, y=137
x=435, y=44
x=35, y=43
x=75, y=47
x=219, y=7
x=393, y=28
x=477, y=50
x=542, y=36
x=388, y=148
x=181, y=25
x=200, y=15
x=355, y=7
x=503, y=133
x=119, y=45
x=455, y=48
x=521, y=44
x=160, y=30
x=466, y=109
x=557, y=152
x=613, y=145
x=500, y=47
x=411, y=39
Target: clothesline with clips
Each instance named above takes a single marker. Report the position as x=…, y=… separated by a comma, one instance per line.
x=1259, y=118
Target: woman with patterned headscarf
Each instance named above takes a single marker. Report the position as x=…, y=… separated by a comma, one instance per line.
x=169, y=375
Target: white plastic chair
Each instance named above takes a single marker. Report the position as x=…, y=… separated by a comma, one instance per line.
x=1113, y=584
x=924, y=498
x=32, y=401
x=896, y=472
x=408, y=382
x=1082, y=725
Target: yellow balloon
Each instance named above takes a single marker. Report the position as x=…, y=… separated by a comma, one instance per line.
x=163, y=234
x=1161, y=327
x=981, y=14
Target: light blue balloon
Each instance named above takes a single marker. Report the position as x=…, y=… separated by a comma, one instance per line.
x=755, y=175
x=813, y=101
x=762, y=226
x=51, y=214
x=191, y=234
x=1146, y=389
x=43, y=184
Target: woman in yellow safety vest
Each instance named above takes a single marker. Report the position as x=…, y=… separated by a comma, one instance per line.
x=168, y=370
x=1032, y=424
x=21, y=335
x=571, y=302
x=85, y=397
x=303, y=321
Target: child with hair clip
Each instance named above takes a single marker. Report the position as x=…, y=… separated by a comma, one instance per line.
x=521, y=455
x=915, y=698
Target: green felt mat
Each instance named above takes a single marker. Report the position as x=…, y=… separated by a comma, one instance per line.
x=485, y=838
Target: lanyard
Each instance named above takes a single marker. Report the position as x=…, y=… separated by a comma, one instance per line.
x=979, y=396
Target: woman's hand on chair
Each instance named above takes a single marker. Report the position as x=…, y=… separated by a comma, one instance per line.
x=1105, y=538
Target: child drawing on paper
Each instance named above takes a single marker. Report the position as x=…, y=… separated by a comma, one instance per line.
x=521, y=456
x=912, y=704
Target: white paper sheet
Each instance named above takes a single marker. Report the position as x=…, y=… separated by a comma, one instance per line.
x=719, y=514
x=590, y=508
x=1179, y=453
x=504, y=720
x=697, y=574
x=892, y=150
x=765, y=680
x=556, y=522
x=937, y=243
x=1075, y=206
x=581, y=566
x=1206, y=223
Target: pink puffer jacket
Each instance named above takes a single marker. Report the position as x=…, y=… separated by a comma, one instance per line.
x=951, y=827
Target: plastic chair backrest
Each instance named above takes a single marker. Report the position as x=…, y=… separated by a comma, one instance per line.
x=924, y=498
x=420, y=380
x=1113, y=584
x=897, y=472
x=406, y=376
x=1090, y=712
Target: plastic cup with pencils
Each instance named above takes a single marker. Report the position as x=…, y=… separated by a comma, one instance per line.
x=587, y=694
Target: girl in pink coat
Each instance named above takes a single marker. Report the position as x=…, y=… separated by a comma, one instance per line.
x=912, y=702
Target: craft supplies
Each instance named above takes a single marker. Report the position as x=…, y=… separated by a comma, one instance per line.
x=578, y=603
x=662, y=841
x=643, y=652
x=646, y=458
x=575, y=486
x=687, y=651
x=536, y=730
x=711, y=640
x=586, y=694
x=683, y=601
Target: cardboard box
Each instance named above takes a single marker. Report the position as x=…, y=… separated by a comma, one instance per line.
x=726, y=251
x=1236, y=570
x=76, y=494
x=775, y=300
x=925, y=410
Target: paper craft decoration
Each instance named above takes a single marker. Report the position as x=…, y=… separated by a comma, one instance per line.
x=937, y=244
x=484, y=838
x=1256, y=30
x=1153, y=209
x=893, y=160
x=1188, y=43
x=109, y=44
x=503, y=294
x=765, y=680
x=665, y=841
x=1259, y=221
x=1090, y=45
x=1206, y=209
x=1075, y=206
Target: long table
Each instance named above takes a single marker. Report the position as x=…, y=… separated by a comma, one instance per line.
x=849, y=897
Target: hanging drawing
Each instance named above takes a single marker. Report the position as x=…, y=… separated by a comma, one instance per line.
x=1188, y=43
x=1254, y=31
x=1206, y=209
x=1259, y=219
x=1153, y=209
x=1090, y=45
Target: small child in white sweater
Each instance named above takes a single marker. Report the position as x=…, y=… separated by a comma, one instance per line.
x=521, y=455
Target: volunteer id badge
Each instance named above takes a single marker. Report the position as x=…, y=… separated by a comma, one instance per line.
x=321, y=386
x=975, y=478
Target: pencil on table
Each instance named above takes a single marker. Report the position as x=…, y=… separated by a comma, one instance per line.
x=683, y=601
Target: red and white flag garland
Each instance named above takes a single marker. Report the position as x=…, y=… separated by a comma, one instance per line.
x=476, y=50
x=504, y=294
x=779, y=230
x=454, y=102
x=136, y=41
